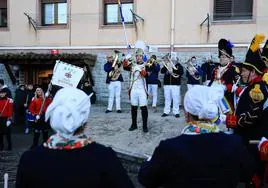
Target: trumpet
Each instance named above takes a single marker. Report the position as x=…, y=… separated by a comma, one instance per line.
x=192, y=70
x=169, y=65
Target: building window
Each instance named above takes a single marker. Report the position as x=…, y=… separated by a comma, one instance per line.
x=112, y=12
x=3, y=13
x=233, y=9
x=54, y=12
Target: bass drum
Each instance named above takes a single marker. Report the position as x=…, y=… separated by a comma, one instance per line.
x=30, y=116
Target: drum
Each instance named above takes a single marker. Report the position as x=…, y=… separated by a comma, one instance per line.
x=30, y=116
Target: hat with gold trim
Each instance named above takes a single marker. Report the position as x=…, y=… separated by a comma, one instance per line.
x=254, y=56
x=139, y=51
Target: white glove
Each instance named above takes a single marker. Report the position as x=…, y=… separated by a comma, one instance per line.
x=223, y=118
x=234, y=88
x=8, y=123
x=47, y=94
x=37, y=117
x=263, y=139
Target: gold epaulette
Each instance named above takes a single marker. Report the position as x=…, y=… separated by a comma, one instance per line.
x=256, y=94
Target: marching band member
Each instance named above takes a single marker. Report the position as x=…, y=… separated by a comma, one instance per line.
x=138, y=90
x=172, y=82
x=6, y=112
x=207, y=69
x=201, y=156
x=193, y=74
x=226, y=74
x=152, y=68
x=265, y=55
x=113, y=79
x=250, y=120
x=37, y=108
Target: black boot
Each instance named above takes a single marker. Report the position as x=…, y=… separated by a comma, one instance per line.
x=134, y=110
x=144, y=114
x=45, y=135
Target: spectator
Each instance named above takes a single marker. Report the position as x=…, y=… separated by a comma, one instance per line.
x=69, y=158
x=202, y=156
x=3, y=86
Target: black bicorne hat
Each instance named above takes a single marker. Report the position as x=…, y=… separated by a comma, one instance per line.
x=254, y=56
x=225, y=47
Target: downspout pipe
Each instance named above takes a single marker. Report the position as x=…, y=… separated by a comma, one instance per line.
x=172, y=27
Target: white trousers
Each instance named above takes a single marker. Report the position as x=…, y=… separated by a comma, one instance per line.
x=138, y=97
x=152, y=91
x=172, y=93
x=114, y=89
x=190, y=86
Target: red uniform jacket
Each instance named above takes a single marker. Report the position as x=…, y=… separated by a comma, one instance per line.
x=36, y=104
x=6, y=107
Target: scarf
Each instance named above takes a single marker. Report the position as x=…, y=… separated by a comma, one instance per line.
x=67, y=142
x=198, y=127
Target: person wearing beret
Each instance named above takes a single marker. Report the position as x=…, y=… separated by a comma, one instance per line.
x=202, y=156
x=69, y=158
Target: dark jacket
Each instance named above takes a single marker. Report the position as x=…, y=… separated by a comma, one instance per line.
x=251, y=116
x=93, y=166
x=207, y=69
x=169, y=79
x=88, y=90
x=207, y=161
x=198, y=74
x=108, y=68
x=152, y=74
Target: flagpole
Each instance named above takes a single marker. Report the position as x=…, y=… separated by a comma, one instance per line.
x=124, y=27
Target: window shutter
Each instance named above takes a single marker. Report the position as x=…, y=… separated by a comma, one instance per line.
x=54, y=1
x=116, y=1
x=242, y=9
x=232, y=9
x=222, y=9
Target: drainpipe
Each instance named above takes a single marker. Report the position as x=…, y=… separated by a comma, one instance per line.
x=70, y=23
x=172, y=27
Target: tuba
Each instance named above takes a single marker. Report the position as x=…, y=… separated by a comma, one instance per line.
x=192, y=70
x=115, y=73
x=169, y=65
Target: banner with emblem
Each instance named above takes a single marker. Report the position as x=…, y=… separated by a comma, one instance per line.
x=66, y=75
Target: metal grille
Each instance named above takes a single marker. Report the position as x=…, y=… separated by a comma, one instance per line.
x=233, y=9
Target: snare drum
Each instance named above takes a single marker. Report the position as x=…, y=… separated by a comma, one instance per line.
x=30, y=116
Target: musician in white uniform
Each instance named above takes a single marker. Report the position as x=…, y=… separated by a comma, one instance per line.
x=172, y=82
x=138, y=91
x=113, y=79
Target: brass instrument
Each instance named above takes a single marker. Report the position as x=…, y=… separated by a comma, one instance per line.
x=192, y=70
x=115, y=73
x=150, y=62
x=169, y=65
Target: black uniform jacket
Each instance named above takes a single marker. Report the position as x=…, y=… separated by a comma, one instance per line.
x=214, y=160
x=171, y=80
x=252, y=115
x=93, y=166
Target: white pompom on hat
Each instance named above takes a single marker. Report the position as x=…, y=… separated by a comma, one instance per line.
x=68, y=111
x=202, y=101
